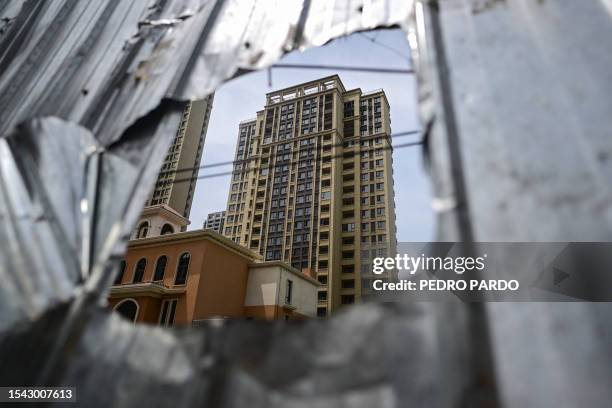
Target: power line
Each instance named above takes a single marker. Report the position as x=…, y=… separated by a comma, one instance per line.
x=242, y=161
x=346, y=68
x=269, y=166
x=388, y=47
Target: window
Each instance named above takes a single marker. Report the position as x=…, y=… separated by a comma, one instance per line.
x=168, y=311
x=348, y=240
x=321, y=312
x=348, y=284
x=139, y=270
x=167, y=229
x=120, y=273
x=160, y=268
x=182, y=269
x=325, y=195
x=347, y=299
x=348, y=268
x=348, y=201
x=348, y=227
x=128, y=308
x=143, y=229
x=288, y=291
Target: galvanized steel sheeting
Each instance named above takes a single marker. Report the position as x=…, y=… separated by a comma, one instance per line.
x=512, y=94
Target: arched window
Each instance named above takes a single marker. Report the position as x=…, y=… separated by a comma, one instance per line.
x=120, y=274
x=167, y=229
x=160, y=268
x=128, y=308
x=143, y=230
x=182, y=269
x=139, y=270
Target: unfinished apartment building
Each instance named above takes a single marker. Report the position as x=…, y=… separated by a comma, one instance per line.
x=312, y=186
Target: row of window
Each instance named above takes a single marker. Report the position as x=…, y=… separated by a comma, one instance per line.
x=349, y=227
x=159, y=272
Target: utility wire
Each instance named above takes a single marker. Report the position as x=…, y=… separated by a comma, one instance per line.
x=388, y=47
x=269, y=166
x=346, y=68
x=242, y=161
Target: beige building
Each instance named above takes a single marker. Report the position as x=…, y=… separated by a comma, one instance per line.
x=157, y=220
x=189, y=277
x=312, y=185
x=215, y=221
x=184, y=155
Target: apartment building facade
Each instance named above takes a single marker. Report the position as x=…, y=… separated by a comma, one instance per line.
x=312, y=186
x=183, y=159
x=187, y=278
x=215, y=221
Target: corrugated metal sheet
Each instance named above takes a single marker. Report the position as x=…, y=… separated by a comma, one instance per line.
x=512, y=94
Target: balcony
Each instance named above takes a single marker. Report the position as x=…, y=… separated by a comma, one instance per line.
x=147, y=288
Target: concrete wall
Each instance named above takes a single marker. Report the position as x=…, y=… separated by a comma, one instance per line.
x=222, y=283
x=267, y=287
x=262, y=286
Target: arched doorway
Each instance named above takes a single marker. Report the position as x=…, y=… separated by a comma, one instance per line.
x=128, y=308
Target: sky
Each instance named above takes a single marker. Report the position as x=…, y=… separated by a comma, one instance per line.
x=242, y=97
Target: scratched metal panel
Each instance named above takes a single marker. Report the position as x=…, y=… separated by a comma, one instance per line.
x=514, y=95
x=532, y=116
x=107, y=79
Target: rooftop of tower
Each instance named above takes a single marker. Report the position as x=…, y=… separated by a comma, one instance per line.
x=305, y=89
x=334, y=77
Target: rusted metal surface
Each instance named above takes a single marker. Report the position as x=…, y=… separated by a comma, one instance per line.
x=512, y=94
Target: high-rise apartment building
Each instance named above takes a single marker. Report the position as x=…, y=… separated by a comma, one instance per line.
x=312, y=186
x=184, y=153
x=215, y=221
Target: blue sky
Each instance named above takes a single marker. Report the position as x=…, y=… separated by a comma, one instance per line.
x=242, y=97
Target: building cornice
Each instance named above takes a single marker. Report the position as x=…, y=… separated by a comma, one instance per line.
x=191, y=236
x=144, y=289
x=165, y=210
x=306, y=84
x=286, y=267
